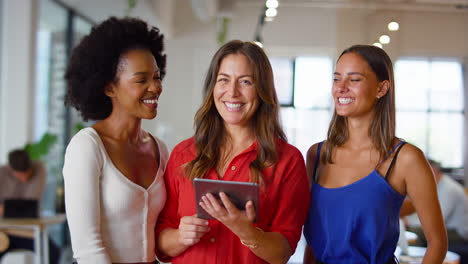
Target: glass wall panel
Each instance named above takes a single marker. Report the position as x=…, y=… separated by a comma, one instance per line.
x=50, y=89
x=429, y=99
x=283, y=74
x=312, y=82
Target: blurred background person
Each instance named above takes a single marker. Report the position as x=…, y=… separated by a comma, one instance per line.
x=454, y=204
x=23, y=178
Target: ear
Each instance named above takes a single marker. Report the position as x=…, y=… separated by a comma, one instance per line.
x=109, y=90
x=383, y=89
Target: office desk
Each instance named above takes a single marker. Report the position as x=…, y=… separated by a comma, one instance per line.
x=39, y=226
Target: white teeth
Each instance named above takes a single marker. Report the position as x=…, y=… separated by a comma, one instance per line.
x=233, y=105
x=150, y=101
x=345, y=100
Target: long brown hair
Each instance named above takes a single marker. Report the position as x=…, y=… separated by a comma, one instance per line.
x=382, y=128
x=209, y=128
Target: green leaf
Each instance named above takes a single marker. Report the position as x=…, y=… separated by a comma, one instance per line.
x=41, y=148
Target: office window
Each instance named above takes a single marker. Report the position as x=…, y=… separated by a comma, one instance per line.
x=303, y=85
x=429, y=101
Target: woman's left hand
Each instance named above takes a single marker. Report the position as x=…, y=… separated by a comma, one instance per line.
x=227, y=212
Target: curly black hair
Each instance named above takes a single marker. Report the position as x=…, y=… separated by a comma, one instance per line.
x=93, y=63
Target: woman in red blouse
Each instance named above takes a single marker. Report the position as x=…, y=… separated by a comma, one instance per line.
x=238, y=137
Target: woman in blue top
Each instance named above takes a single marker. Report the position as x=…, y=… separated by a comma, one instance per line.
x=362, y=172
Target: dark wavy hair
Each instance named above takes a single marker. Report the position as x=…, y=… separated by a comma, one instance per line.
x=382, y=128
x=93, y=63
x=209, y=129
x=19, y=160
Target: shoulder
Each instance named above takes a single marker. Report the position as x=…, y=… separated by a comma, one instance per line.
x=38, y=166
x=4, y=171
x=286, y=149
x=187, y=145
x=411, y=155
x=183, y=152
x=312, y=152
x=453, y=186
x=85, y=143
x=85, y=136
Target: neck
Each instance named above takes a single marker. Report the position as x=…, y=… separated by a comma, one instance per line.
x=121, y=129
x=239, y=137
x=358, y=133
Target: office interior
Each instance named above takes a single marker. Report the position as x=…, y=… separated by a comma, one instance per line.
x=429, y=51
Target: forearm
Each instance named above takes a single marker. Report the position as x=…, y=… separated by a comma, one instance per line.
x=169, y=243
x=435, y=253
x=272, y=247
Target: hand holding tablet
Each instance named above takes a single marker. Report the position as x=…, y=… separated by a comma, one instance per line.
x=239, y=193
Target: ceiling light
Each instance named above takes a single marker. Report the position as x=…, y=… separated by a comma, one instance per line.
x=271, y=3
x=377, y=44
x=393, y=26
x=384, y=39
x=271, y=12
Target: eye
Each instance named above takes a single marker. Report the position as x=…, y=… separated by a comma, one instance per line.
x=157, y=78
x=246, y=82
x=222, y=80
x=141, y=81
x=355, y=80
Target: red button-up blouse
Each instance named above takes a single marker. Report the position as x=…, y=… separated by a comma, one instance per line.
x=283, y=203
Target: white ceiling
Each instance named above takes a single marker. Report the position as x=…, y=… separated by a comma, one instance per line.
x=410, y=5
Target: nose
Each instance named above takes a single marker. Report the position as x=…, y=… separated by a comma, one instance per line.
x=340, y=86
x=155, y=86
x=233, y=89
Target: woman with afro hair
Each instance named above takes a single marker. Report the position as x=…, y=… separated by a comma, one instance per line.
x=113, y=171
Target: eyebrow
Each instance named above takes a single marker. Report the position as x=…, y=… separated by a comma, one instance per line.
x=144, y=73
x=349, y=73
x=242, y=76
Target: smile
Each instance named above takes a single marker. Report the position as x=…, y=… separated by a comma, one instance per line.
x=345, y=100
x=233, y=106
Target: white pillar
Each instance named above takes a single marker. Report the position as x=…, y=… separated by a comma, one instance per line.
x=18, y=40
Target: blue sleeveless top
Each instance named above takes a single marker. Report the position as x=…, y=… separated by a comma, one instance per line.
x=356, y=223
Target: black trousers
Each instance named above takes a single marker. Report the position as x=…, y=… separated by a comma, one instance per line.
x=28, y=244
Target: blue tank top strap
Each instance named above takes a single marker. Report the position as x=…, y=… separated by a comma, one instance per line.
x=316, y=162
x=398, y=148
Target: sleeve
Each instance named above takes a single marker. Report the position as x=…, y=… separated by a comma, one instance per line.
x=293, y=200
x=82, y=172
x=169, y=217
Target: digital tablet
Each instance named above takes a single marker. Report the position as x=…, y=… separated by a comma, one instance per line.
x=238, y=192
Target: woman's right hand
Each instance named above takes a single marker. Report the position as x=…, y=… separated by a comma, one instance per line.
x=191, y=230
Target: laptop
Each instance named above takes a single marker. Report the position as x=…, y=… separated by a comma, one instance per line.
x=20, y=208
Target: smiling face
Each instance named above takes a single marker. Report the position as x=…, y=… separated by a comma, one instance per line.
x=235, y=95
x=356, y=87
x=138, y=85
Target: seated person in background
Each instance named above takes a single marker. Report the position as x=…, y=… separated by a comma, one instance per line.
x=454, y=204
x=23, y=178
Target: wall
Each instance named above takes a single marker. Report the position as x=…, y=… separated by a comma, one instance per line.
x=18, y=21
